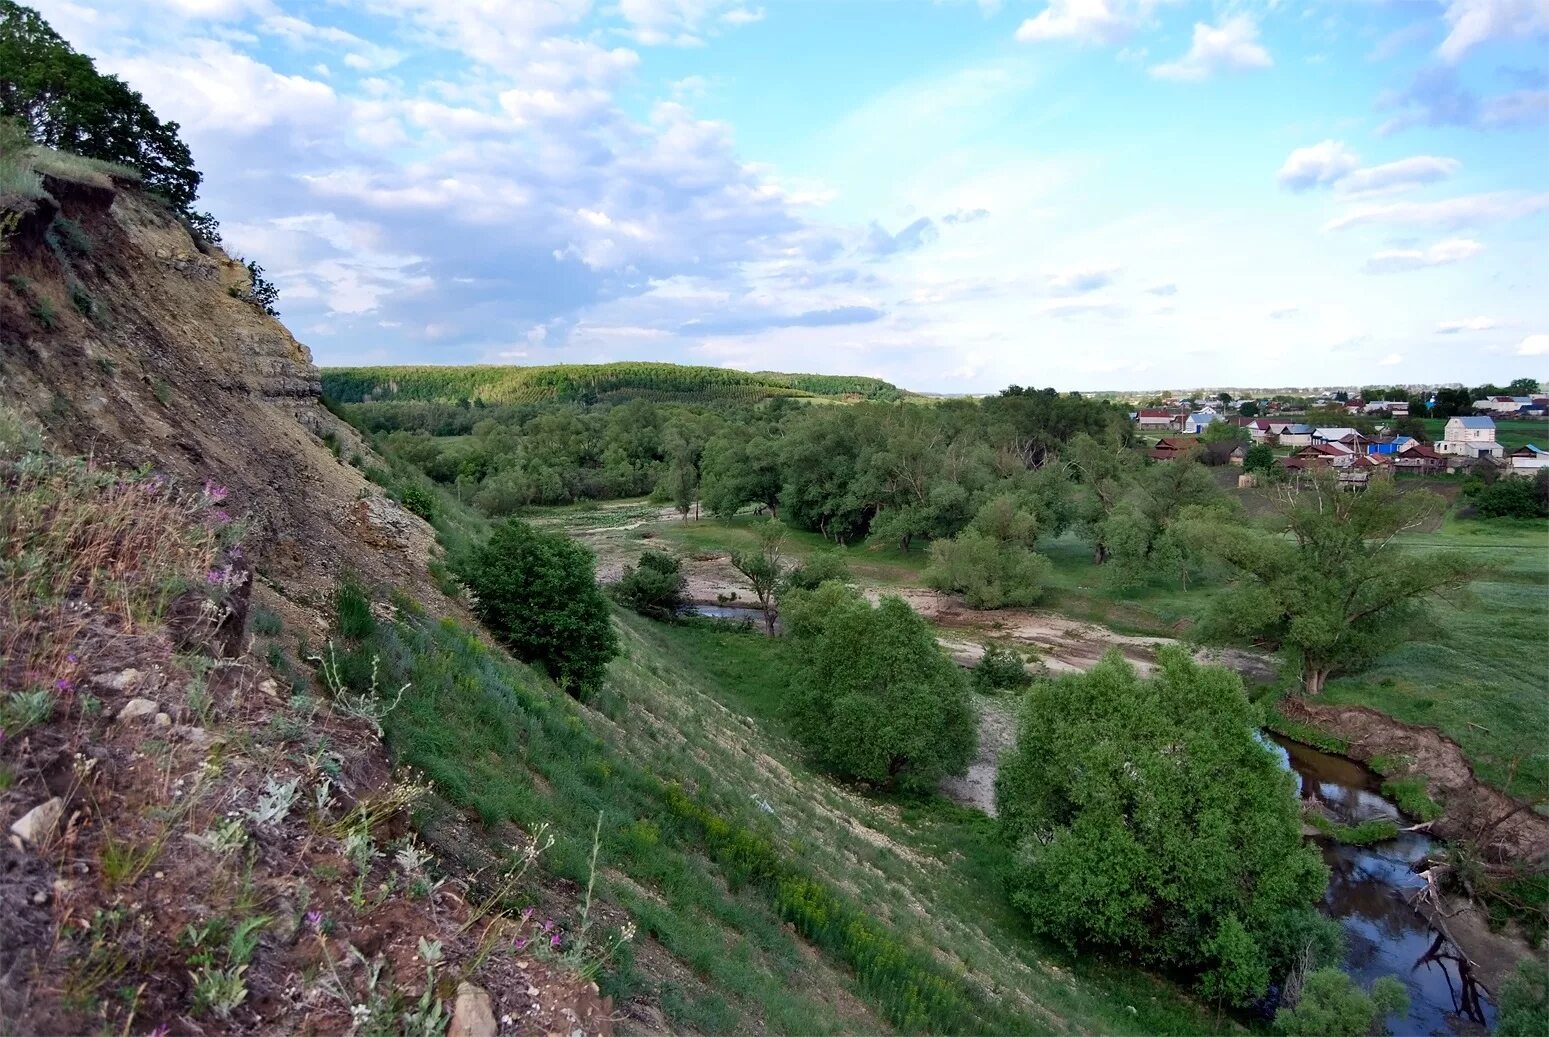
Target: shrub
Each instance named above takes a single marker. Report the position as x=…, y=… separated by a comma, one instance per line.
x=1331, y=1005
x=989, y=574
x=821, y=568
x=1525, y=1002
x=999, y=669
x=417, y=499
x=537, y=592
x=44, y=313
x=1509, y=498
x=1146, y=818
x=876, y=699
x=654, y=588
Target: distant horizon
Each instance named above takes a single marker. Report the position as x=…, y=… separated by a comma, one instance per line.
x=1261, y=390
x=939, y=194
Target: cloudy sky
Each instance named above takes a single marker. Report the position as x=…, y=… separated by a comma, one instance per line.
x=953, y=195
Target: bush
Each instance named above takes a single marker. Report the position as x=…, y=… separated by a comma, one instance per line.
x=1000, y=669
x=876, y=700
x=1508, y=498
x=989, y=574
x=537, y=592
x=420, y=501
x=654, y=588
x=1331, y=1005
x=1146, y=818
x=823, y=567
x=1525, y=1002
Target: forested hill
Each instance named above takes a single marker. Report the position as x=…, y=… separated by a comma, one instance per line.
x=589, y=383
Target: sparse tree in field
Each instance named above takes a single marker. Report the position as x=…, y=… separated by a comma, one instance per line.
x=1335, y=589
x=1146, y=818
x=764, y=568
x=876, y=699
x=654, y=588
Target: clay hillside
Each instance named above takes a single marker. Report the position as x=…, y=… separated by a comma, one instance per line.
x=195, y=840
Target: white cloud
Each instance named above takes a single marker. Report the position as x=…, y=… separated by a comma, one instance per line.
x=1442, y=253
x=1088, y=21
x=1318, y=165
x=215, y=88
x=1232, y=46
x=1401, y=175
x=1473, y=22
x=1534, y=345
x=1080, y=280
x=1452, y=327
x=1391, y=360
x=1448, y=214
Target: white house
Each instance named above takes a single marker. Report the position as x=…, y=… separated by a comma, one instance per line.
x=1296, y=435
x=1197, y=422
x=1470, y=437
x=1335, y=435
x=1528, y=460
x=1156, y=419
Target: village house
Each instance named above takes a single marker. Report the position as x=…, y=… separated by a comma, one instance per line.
x=1198, y=421
x=1528, y=460
x=1417, y=458
x=1347, y=436
x=1513, y=404
x=1470, y=437
x=1296, y=435
x=1169, y=448
x=1397, y=408
x=1156, y=419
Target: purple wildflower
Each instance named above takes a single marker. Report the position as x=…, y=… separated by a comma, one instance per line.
x=548, y=923
x=72, y=658
x=521, y=941
x=314, y=920
x=222, y=516
x=215, y=576
x=65, y=684
x=526, y=913
x=554, y=941
x=161, y=1030
x=215, y=491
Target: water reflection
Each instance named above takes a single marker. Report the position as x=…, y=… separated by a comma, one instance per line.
x=1370, y=892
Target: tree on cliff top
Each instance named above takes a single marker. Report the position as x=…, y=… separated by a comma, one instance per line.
x=65, y=103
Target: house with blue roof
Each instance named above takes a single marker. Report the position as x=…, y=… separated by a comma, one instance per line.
x=1528, y=460
x=1470, y=437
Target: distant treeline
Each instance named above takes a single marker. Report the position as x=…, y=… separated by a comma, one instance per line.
x=588, y=384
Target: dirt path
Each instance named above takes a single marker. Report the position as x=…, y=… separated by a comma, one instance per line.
x=997, y=733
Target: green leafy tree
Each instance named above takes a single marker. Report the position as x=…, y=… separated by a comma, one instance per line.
x=1333, y=588
x=988, y=573
x=1146, y=818
x=876, y=699
x=740, y=468
x=537, y=592
x=1260, y=459
x=1248, y=409
x=65, y=103
x=654, y=588
x=764, y=568
x=1105, y=472
x=1331, y=1005
x=1507, y=498
x=1522, y=387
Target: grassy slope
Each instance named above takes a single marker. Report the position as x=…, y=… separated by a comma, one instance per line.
x=901, y=898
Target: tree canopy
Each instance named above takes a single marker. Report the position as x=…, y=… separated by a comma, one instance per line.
x=1146, y=817
x=65, y=103
x=1331, y=586
x=538, y=593
x=876, y=699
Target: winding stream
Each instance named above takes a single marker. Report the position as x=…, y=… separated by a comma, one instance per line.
x=1369, y=893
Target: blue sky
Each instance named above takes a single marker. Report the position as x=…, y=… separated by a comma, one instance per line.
x=954, y=195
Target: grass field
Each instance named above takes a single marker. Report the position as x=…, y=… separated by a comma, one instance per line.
x=1480, y=671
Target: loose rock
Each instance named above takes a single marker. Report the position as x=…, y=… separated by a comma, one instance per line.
x=39, y=823
x=137, y=708
x=472, y=1015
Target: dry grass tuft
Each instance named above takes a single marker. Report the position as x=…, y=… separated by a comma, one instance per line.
x=87, y=551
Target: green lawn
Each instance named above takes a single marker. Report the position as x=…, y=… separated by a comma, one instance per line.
x=1480, y=670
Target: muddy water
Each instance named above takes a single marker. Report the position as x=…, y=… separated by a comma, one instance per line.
x=1369, y=893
